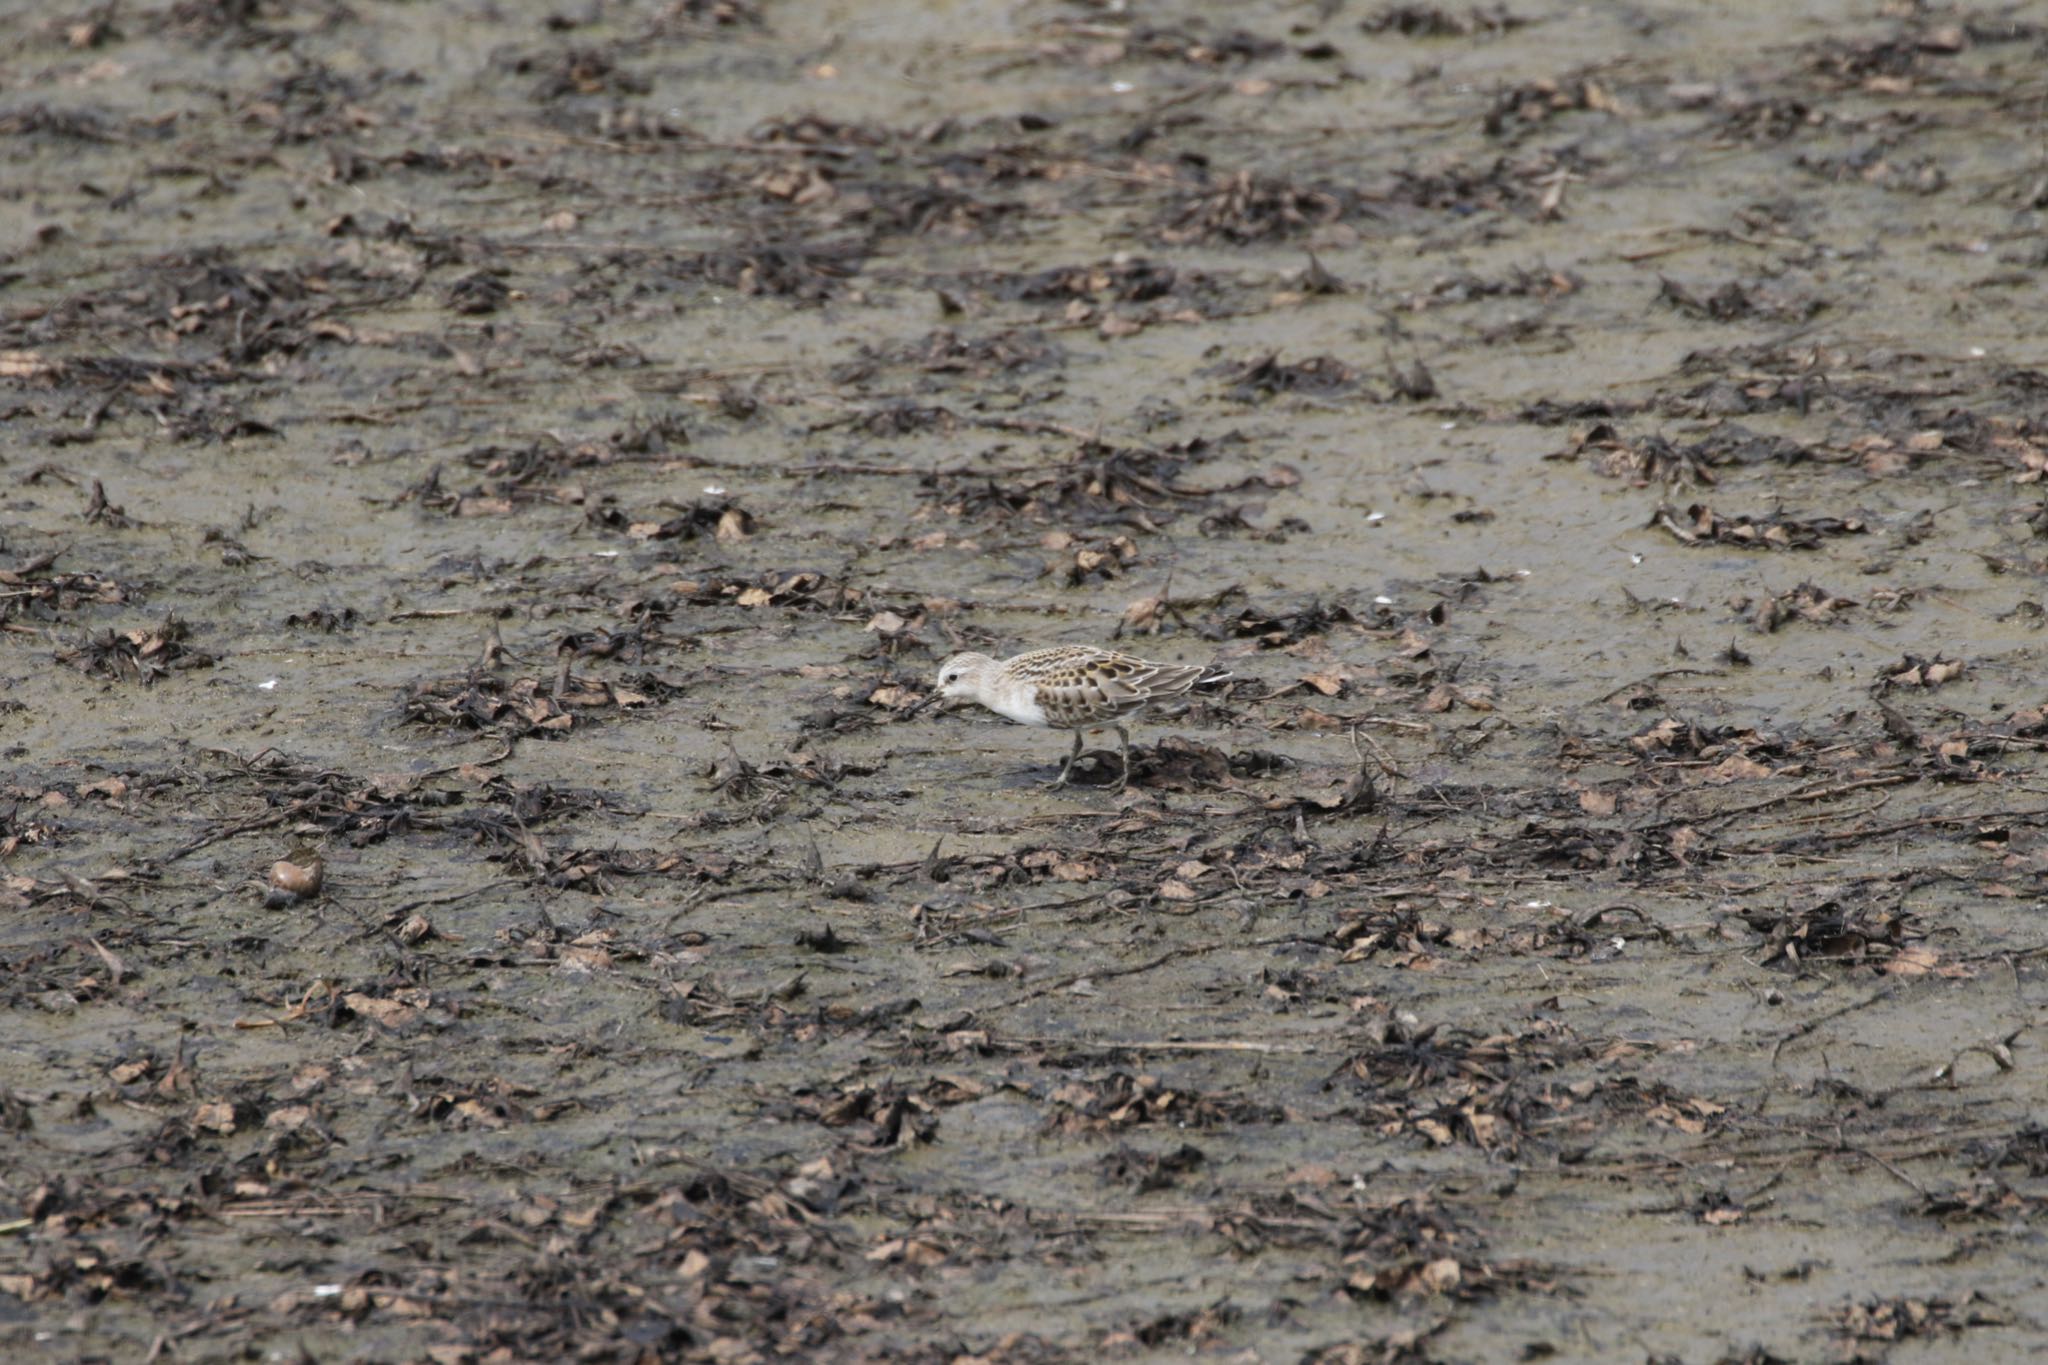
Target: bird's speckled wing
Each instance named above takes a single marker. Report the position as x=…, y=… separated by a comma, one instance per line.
x=1078, y=685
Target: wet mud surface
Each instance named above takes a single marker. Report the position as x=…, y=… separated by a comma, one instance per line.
x=487, y=489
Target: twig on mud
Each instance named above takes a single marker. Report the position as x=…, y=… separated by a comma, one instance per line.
x=1695, y=231
x=2006, y=954
x=1757, y=1154
x=327, y=1205
x=1160, y=1045
x=1810, y=793
x=1387, y=765
x=1810, y=1025
x=1039, y=426
x=696, y=144
x=1158, y=1220
x=1660, y=673
x=1896, y=1173
x=1060, y=984
x=276, y=817
x=975, y=930
x=1592, y=921
x=1877, y=831
x=1823, y=817
x=1999, y=1052
x=507, y=740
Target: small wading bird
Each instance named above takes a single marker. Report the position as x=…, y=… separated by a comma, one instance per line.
x=1070, y=687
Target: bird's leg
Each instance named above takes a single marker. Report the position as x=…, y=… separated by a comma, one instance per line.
x=1067, y=767
x=1124, y=737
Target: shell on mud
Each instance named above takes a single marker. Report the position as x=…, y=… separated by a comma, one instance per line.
x=296, y=877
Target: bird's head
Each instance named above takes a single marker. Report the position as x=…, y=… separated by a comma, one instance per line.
x=962, y=677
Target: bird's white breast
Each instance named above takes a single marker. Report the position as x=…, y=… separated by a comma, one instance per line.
x=1017, y=703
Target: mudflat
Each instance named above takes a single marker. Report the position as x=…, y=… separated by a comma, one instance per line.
x=487, y=489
